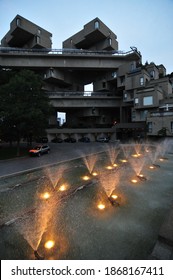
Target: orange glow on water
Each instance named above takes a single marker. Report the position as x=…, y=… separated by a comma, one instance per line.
x=136, y=155
x=45, y=195
x=101, y=206
x=109, y=167
x=86, y=178
x=62, y=188
x=114, y=196
x=123, y=160
x=49, y=244
x=151, y=167
x=134, y=181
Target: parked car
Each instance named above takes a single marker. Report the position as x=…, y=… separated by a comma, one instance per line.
x=56, y=140
x=84, y=139
x=39, y=150
x=103, y=139
x=70, y=140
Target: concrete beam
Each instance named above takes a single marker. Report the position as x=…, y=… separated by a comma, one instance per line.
x=71, y=61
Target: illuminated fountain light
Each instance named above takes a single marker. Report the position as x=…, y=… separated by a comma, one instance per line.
x=124, y=160
x=163, y=158
x=115, y=165
x=151, y=167
x=101, y=206
x=114, y=199
x=94, y=173
x=136, y=155
x=86, y=178
x=49, y=244
x=45, y=195
x=141, y=177
x=109, y=167
x=134, y=181
x=62, y=188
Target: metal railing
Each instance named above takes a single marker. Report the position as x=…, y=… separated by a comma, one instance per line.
x=66, y=51
x=80, y=94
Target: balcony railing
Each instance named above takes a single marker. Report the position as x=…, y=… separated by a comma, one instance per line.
x=161, y=114
x=80, y=94
x=65, y=51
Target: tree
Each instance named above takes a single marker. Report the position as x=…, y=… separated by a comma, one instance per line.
x=24, y=107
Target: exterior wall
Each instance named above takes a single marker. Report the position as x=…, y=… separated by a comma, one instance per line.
x=139, y=97
x=95, y=36
x=161, y=125
x=164, y=84
x=24, y=33
x=136, y=79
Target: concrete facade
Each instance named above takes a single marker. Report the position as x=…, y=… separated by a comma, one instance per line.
x=124, y=91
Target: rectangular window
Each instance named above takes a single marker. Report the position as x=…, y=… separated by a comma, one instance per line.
x=125, y=96
x=141, y=81
x=114, y=74
x=150, y=127
x=104, y=84
x=37, y=39
x=132, y=67
x=143, y=115
x=136, y=101
x=133, y=115
x=122, y=80
x=109, y=41
x=96, y=25
x=18, y=22
x=148, y=100
x=171, y=127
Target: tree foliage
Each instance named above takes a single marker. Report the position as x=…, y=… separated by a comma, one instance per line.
x=24, y=107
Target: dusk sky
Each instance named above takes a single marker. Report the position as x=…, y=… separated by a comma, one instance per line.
x=147, y=24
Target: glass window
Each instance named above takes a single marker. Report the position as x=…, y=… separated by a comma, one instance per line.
x=132, y=66
x=133, y=115
x=171, y=127
x=96, y=24
x=136, y=101
x=148, y=100
x=114, y=74
x=122, y=80
x=18, y=21
x=37, y=39
x=152, y=74
x=125, y=95
x=141, y=81
x=150, y=126
x=143, y=115
x=109, y=41
x=104, y=84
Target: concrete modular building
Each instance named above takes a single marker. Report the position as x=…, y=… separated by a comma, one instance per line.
x=126, y=94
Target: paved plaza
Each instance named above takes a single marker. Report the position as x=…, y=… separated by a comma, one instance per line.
x=139, y=228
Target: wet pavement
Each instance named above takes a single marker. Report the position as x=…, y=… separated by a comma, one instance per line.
x=80, y=230
x=59, y=152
